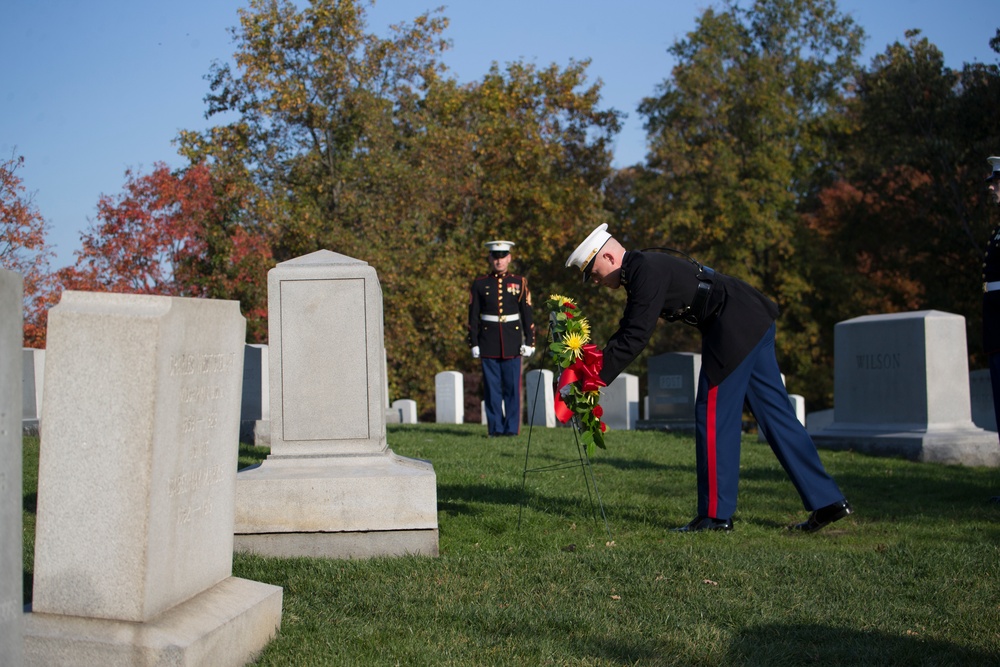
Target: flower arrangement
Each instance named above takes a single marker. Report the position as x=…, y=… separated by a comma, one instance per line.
x=579, y=385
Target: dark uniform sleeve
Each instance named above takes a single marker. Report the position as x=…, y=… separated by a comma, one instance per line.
x=647, y=294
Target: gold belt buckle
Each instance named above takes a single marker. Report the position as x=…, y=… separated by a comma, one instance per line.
x=503, y=318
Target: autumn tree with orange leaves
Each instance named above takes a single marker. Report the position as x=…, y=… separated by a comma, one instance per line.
x=23, y=249
x=174, y=233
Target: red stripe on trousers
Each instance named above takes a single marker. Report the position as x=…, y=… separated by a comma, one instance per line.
x=713, y=482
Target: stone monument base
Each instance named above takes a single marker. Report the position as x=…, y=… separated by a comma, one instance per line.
x=664, y=425
x=962, y=445
x=337, y=507
x=347, y=545
x=228, y=624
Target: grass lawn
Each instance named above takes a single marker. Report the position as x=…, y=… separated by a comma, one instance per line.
x=912, y=578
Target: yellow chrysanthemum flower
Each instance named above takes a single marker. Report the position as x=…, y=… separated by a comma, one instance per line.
x=574, y=343
x=584, y=328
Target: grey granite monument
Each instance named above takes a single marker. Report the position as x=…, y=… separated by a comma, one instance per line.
x=255, y=408
x=901, y=388
x=331, y=486
x=11, y=592
x=673, y=388
x=133, y=541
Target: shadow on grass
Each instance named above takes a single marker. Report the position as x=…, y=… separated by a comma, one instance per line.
x=809, y=644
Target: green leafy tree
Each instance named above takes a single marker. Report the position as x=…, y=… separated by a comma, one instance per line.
x=361, y=144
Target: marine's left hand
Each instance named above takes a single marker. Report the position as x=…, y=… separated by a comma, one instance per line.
x=527, y=350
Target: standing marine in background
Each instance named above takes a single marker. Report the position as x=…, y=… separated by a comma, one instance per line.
x=991, y=294
x=501, y=331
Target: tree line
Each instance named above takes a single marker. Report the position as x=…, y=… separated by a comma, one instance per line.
x=838, y=188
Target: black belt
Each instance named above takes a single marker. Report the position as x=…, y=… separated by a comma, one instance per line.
x=697, y=312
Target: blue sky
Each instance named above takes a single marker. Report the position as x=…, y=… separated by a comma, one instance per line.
x=90, y=88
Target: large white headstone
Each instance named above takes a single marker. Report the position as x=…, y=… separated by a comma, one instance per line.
x=135, y=486
x=11, y=592
x=620, y=401
x=901, y=388
x=449, y=398
x=331, y=486
x=673, y=389
x=538, y=385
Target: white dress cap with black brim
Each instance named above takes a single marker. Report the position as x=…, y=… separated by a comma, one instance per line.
x=499, y=246
x=994, y=165
x=585, y=253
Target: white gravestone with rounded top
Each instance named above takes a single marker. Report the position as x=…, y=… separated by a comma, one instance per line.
x=133, y=542
x=331, y=487
x=901, y=388
x=449, y=398
x=11, y=592
x=620, y=401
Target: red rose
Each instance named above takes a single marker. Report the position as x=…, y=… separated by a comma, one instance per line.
x=604, y=427
x=598, y=411
x=569, y=305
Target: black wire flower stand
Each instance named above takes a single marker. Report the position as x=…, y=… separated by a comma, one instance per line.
x=582, y=461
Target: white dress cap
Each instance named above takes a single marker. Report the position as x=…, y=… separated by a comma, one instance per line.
x=499, y=246
x=995, y=165
x=587, y=250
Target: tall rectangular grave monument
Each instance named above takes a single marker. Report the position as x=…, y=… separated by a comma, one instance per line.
x=133, y=542
x=331, y=486
x=11, y=592
x=901, y=388
x=672, y=390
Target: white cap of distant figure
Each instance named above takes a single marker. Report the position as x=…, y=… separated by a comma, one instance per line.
x=995, y=164
x=499, y=246
x=587, y=251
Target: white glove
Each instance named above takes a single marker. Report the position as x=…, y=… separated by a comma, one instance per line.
x=527, y=350
x=475, y=352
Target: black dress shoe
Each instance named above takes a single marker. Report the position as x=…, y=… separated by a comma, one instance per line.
x=823, y=516
x=705, y=523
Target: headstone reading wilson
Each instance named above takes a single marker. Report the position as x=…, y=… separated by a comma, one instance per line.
x=331, y=486
x=11, y=592
x=901, y=388
x=133, y=541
